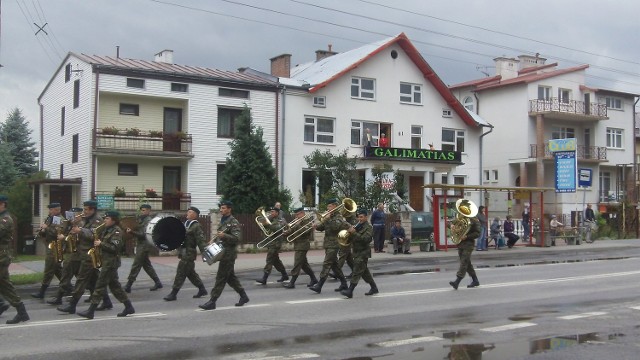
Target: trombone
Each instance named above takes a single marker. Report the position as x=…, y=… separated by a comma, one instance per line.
x=262, y=220
x=347, y=207
x=307, y=224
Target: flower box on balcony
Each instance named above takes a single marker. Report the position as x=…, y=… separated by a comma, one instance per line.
x=119, y=192
x=110, y=130
x=155, y=133
x=133, y=132
x=150, y=193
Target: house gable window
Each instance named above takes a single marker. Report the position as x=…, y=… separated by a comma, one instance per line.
x=75, y=148
x=362, y=88
x=219, y=173
x=468, y=104
x=127, y=169
x=319, y=130
x=614, y=138
x=62, y=117
x=241, y=94
x=67, y=73
x=227, y=118
x=76, y=94
x=319, y=101
x=452, y=140
x=177, y=87
x=135, y=83
x=130, y=109
x=410, y=94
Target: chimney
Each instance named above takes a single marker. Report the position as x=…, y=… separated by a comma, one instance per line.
x=281, y=65
x=506, y=67
x=321, y=54
x=164, y=56
x=527, y=61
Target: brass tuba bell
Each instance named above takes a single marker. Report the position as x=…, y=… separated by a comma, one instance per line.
x=465, y=210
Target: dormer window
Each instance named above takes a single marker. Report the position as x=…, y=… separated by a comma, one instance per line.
x=320, y=101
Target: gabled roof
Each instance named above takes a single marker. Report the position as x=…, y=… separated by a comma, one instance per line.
x=318, y=75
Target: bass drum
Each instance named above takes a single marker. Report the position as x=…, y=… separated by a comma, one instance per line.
x=166, y=232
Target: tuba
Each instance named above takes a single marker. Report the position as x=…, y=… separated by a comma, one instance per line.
x=460, y=226
x=95, y=253
x=344, y=237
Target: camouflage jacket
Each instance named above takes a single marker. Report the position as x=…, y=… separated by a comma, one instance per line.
x=111, y=246
x=193, y=238
x=277, y=223
x=472, y=234
x=51, y=232
x=331, y=228
x=232, y=236
x=139, y=233
x=361, y=240
x=302, y=242
x=87, y=230
x=6, y=237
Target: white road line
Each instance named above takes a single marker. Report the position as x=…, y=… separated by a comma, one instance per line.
x=518, y=325
x=78, y=320
x=583, y=315
x=295, y=356
x=313, y=301
x=635, y=307
x=234, y=307
x=417, y=340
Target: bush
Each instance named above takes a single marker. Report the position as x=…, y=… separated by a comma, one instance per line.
x=133, y=132
x=155, y=133
x=110, y=130
x=119, y=192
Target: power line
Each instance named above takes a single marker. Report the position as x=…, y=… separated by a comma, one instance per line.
x=55, y=38
x=30, y=27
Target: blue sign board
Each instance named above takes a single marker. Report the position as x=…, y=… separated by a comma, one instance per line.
x=565, y=162
x=584, y=177
x=105, y=202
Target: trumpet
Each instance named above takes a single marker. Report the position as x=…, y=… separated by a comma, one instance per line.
x=94, y=252
x=347, y=207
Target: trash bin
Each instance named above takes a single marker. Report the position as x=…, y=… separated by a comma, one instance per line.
x=422, y=230
x=29, y=247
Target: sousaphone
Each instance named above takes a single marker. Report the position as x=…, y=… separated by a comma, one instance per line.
x=465, y=210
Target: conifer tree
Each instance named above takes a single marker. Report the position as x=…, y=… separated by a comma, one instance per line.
x=17, y=135
x=249, y=178
x=8, y=173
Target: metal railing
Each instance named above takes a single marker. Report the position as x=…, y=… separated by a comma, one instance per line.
x=144, y=142
x=582, y=152
x=568, y=107
x=160, y=202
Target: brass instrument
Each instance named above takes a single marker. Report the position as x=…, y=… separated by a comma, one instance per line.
x=346, y=208
x=344, y=236
x=271, y=236
x=56, y=245
x=95, y=253
x=72, y=239
x=307, y=222
x=460, y=226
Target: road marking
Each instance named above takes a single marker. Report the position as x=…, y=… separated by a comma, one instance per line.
x=583, y=315
x=235, y=307
x=79, y=320
x=295, y=356
x=518, y=325
x=313, y=301
x=417, y=340
x=635, y=307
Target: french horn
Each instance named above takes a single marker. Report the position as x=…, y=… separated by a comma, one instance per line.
x=465, y=210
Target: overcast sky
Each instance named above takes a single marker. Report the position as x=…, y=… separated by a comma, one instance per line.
x=458, y=38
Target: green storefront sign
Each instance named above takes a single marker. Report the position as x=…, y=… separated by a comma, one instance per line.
x=437, y=156
x=105, y=202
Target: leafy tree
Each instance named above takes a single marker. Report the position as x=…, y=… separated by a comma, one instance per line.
x=16, y=134
x=249, y=179
x=8, y=173
x=21, y=200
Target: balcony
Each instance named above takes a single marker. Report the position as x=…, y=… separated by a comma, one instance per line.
x=130, y=201
x=568, y=110
x=589, y=153
x=146, y=143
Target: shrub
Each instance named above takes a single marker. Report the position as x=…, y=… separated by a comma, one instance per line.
x=110, y=130
x=133, y=132
x=119, y=192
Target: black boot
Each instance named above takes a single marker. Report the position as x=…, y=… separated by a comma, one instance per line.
x=263, y=281
x=373, y=290
x=20, y=316
x=209, y=305
x=106, y=303
x=291, y=284
x=455, y=284
x=127, y=288
x=318, y=287
x=343, y=285
x=157, y=285
x=172, y=295
x=474, y=283
x=89, y=312
x=40, y=294
x=201, y=292
x=128, y=309
x=349, y=292
x=3, y=307
x=284, y=277
x=70, y=308
x=313, y=280
x=243, y=298
x=57, y=300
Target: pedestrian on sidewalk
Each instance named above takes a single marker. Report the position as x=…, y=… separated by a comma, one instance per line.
x=275, y=224
x=51, y=231
x=143, y=247
x=302, y=228
x=483, y=241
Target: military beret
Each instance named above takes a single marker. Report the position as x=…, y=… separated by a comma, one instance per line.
x=331, y=201
x=112, y=214
x=90, y=203
x=4, y=198
x=273, y=208
x=194, y=209
x=225, y=203
x=76, y=209
x=296, y=210
x=53, y=205
x=361, y=212
x=145, y=206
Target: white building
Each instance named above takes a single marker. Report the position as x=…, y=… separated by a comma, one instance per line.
x=529, y=103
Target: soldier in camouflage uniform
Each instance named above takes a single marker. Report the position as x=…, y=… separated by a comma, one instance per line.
x=50, y=231
x=7, y=291
x=331, y=228
x=187, y=254
x=275, y=246
x=87, y=274
x=142, y=251
x=109, y=244
x=229, y=234
x=70, y=268
x=465, y=248
x=345, y=255
x=361, y=237
x=301, y=246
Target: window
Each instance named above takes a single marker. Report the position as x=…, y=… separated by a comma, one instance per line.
x=363, y=88
x=130, y=109
x=452, y=140
x=135, y=83
x=446, y=113
x=309, y=186
x=564, y=95
x=319, y=130
x=36, y=200
x=613, y=103
x=62, y=116
x=127, y=169
x=227, y=122
x=468, y=104
x=614, y=138
x=219, y=173
x=179, y=87
x=410, y=93
x=495, y=175
x=416, y=137
x=486, y=175
x=605, y=185
x=544, y=93
x=242, y=94
x=558, y=132
x=61, y=171
x=74, y=148
x=319, y=101
x=458, y=179
x=359, y=133
x=67, y=73
x=76, y=94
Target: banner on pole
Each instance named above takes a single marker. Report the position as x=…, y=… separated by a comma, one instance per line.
x=565, y=162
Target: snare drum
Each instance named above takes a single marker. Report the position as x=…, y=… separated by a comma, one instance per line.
x=212, y=253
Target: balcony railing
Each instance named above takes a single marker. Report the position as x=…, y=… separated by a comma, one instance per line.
x=582, y=152
x=568, y=107
x=143, y=142
x=132, y=200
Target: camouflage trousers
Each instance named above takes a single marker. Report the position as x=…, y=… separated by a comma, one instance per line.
x=187, y=269
x=273, y=260
x=51, y=268
x=141, y=261
x=465, y=249
x=226, y=275
x=300, y=262
x=360, y=270
x=331, y=263
x=108, y=277
x=7, y=290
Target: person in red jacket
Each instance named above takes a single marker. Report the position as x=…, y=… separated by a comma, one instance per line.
x=384, y=141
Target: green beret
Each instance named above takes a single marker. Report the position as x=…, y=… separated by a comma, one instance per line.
x=145, y=206
x=90, y=203
x=225, y=203
x=362, y=212
x=76, y=209
x=273, y=208
x=296, y=210
x=114, y=215
x=54, y=205
x=194, y=209
x=331, y=201
x=4, y=198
